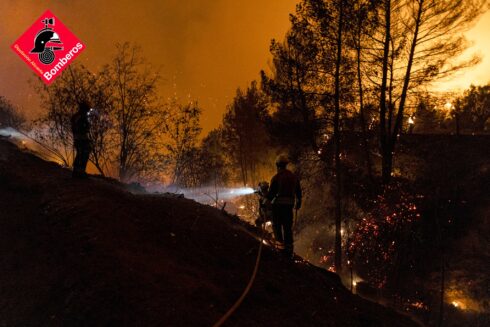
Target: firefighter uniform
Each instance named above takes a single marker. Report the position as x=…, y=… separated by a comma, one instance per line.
x=285, y=195
x=80, y=125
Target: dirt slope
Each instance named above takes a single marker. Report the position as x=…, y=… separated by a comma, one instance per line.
x=88, y=253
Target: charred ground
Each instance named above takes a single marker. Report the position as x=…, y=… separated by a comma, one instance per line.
x=89, y=253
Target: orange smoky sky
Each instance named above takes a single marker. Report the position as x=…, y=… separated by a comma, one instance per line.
x=205, y=49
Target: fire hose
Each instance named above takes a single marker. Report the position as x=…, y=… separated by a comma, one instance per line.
x=235, y=306
x=238, y=302
x=44, y=146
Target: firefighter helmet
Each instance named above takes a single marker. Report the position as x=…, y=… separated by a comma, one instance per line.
x=282, y=159
x=42, y=38
x=84, y=106
x=263, y=187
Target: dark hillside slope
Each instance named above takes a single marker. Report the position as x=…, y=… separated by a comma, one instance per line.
x=88, y=253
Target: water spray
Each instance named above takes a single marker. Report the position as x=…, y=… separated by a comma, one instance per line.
x=230, y=193
x=11, y=132
x=28, y=141
x=205, y=194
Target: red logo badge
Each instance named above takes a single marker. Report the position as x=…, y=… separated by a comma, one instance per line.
x=48, y=47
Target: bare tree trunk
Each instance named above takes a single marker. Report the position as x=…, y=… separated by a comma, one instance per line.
x=336, y=135
x=385, y=153
x=365, y=138
x=304, y=112
x=406, y=82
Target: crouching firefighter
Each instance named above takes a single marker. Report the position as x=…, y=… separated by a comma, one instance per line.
x=285, y=195
x=265, y=207
x=80, y=126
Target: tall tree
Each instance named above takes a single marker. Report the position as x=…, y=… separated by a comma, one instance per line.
x=215, y=164
x=60, y=101
x=181, y=128
x=336, y=136
x=123, y=94
x=313, y=85
x=364, y=20
x=244, y=133
x=135, y=106
x=418, y=42
x=474, y=107
x=296, y=87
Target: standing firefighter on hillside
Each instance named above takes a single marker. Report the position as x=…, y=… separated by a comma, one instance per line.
x=80, y=126
x=284, y=194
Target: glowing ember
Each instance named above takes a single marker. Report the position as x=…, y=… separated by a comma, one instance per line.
x=375, y=240
x=419, y=305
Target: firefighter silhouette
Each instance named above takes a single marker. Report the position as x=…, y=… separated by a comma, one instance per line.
x=44, y=37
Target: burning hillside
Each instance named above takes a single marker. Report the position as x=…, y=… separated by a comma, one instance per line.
x=88, y=253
